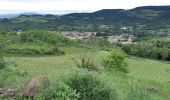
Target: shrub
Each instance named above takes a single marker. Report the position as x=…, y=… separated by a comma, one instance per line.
x=33, y=49
x=90, y=87
x=115, y=61
x=55, y=51
x=40, y=36
x=87, y=61
x=57, y=91
x=2, y=63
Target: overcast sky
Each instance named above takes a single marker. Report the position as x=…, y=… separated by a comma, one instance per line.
x=66, y=6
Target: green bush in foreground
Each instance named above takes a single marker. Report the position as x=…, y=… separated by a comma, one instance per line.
x=90, y=87
x=58, y=91
x=116, y=61
x=79, y=86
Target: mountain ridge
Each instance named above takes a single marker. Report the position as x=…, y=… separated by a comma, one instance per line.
x=151, y=16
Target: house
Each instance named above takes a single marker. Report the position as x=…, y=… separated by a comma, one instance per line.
x=124, y=39
x=19, y=32
x=123, y=28
x=78, y=35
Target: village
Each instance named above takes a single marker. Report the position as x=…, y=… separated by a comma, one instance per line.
x=123, y=38
x=78, y=35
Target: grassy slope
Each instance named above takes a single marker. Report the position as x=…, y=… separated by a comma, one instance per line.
x=149, y=69
x=147, y=73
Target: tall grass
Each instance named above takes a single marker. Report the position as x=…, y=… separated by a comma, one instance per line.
x=87, y=61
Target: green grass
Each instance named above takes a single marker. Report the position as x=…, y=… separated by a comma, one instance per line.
x=149, y=70
x=146, y=73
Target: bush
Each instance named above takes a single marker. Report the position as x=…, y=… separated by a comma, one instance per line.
x=40, y=36
x=5, y=75
x=57, y=91
x=115, y=61
x=151, y=49
x=87, y=61
x=2, y=63
x=55, y=51
x=33, y=49
x=90, y=87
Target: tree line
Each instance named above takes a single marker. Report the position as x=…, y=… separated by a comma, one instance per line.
x=156, y=49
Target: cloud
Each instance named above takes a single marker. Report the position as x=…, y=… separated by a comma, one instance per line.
x=75, y=5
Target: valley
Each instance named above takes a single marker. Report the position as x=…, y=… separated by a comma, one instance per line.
x=110, y=54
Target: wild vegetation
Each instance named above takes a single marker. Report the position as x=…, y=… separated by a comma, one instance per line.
x=85, y=65
x=145, y=80
x=34, y=42
x=115, y=61
x=90, y=69
x=155, y=49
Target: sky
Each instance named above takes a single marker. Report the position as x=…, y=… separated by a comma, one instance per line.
x=67, y=6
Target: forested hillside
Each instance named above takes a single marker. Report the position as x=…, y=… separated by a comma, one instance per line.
x=152, y=17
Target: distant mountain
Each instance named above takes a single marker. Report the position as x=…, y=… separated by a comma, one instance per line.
x=30, y=13
x=139, y=12
x=17, y=14
x=8, y=15
x=153, y=17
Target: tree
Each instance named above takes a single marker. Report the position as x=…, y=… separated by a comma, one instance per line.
x=116, y=61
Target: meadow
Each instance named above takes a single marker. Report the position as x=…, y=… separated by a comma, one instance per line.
x=150, y=75
x=80, y=70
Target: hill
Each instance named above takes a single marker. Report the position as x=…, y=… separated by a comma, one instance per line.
x=149, y=17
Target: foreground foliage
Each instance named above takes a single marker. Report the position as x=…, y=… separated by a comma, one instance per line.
x=57, y=91
x=116, y=61
x=151, y=76
x=90, y=87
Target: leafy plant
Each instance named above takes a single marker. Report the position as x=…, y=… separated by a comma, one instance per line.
x=90, y=87
x=87, y=61
x=116, y=61
x=2, y=63
x=57, y=91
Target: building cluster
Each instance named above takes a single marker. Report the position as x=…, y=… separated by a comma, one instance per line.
x=78, y=35
x=124, y=39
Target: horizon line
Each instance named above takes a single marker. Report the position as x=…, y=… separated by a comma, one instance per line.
x=55, y=12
